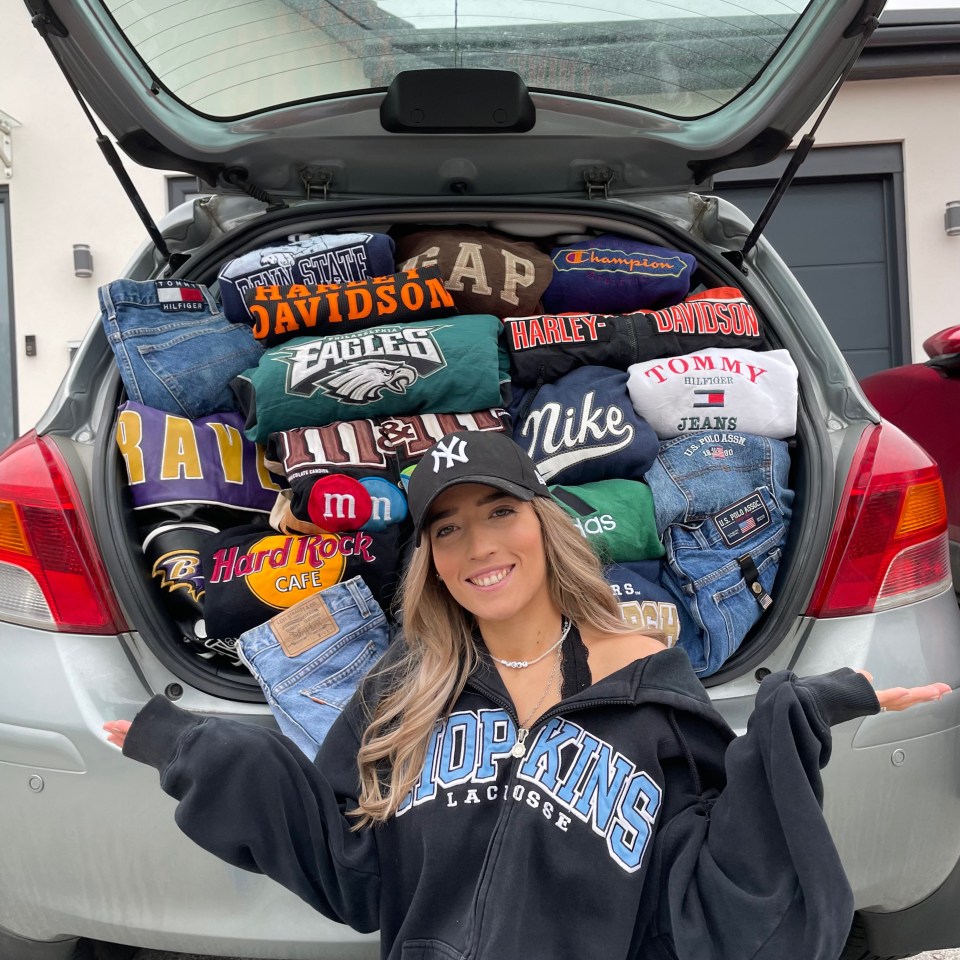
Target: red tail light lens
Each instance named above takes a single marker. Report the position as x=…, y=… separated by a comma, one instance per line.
x=889, y=543
x=50, y=574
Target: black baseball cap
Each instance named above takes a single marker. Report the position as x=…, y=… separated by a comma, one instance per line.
x=471, y=456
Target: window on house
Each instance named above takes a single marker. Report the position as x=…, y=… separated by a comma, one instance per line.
x=181, y=189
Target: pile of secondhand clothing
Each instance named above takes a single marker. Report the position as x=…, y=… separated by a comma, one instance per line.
x=268, y=434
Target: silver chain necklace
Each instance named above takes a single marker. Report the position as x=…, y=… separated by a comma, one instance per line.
x=523, y=664
x=519, y=749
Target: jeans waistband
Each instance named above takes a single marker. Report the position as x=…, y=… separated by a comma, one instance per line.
x=351, y=597
x=144, y=293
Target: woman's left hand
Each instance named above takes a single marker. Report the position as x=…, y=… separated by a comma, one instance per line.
x=900, y=698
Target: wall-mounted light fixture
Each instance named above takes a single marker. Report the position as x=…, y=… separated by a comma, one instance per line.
x=82, y=260
x=951, y=218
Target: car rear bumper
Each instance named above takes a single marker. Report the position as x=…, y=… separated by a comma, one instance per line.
x=90, y=843
x=91, y=847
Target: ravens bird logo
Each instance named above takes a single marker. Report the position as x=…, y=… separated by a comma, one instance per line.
x=180, y=570
x=365, y=382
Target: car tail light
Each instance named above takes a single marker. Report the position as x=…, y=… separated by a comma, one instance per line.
x=889, y=543
x=50, y=574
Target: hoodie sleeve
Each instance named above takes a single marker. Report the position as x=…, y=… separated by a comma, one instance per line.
x=750, y=872
x=251, y=797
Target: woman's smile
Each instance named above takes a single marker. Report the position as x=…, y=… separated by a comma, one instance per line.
x=488, y=549
x=490, y=578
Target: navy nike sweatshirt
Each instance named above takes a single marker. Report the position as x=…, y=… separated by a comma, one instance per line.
x=636, y=826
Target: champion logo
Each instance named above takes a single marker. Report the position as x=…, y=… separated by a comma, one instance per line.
x=454, y=452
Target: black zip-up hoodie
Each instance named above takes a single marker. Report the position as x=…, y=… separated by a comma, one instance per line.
x=636, y=825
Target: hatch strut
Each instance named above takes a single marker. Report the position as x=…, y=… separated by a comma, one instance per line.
x=738, y=257
x=42, y=23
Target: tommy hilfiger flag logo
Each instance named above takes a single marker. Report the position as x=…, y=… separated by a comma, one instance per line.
x=179, y=295
x=709, y=398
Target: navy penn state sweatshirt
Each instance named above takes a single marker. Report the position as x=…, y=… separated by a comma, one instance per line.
x=636, y=826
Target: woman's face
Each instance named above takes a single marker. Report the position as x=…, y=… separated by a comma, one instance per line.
x=488, y=550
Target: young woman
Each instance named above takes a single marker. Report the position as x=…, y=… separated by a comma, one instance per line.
x=524, y=775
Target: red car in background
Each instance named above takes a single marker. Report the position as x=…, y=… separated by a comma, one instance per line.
x=923, y=399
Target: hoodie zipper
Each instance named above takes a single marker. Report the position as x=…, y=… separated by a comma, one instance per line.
x=490, y=860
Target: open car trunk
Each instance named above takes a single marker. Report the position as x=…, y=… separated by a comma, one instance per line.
x=703, y=227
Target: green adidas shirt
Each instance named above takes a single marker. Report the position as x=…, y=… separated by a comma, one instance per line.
x=616, y=516
x=439, y=366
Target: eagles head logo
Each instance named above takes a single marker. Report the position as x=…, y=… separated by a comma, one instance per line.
x=360, y=368
x=180, y=570
x=365, y=382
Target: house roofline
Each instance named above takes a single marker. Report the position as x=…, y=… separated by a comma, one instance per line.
x=912, y=43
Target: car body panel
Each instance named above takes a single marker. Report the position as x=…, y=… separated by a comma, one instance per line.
x=113, y=828
x=342, y=134
x=115, y=808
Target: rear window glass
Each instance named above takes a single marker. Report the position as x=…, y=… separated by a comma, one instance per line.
x=683, y=58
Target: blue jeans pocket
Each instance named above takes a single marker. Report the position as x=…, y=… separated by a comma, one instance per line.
x=308, y=690
x=194, y=369
x=337, y=687
x=704, y=571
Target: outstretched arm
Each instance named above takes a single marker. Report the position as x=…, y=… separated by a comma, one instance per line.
x=251, y=797
x=750, y=872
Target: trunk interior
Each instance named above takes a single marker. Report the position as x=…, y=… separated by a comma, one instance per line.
x=684, y=227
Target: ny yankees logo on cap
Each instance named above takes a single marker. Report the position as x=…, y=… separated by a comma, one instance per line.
x=494, y=460
x=451, y=452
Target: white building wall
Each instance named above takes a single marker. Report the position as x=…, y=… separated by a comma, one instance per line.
x=62, y=192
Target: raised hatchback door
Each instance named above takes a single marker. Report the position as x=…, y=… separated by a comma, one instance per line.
x=287, y=94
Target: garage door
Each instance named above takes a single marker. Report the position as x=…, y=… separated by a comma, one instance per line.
x=8, y=410
x=840, y=228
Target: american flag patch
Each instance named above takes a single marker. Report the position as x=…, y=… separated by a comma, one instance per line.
x=709, y=398
x=743, y=519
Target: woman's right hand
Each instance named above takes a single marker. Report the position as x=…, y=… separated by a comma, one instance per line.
x=117, y=731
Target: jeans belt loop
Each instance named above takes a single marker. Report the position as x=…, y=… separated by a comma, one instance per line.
x=359, y=598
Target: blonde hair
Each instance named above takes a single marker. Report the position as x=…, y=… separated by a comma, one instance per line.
x=422, y=684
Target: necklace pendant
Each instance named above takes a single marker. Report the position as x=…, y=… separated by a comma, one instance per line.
x=519, y=749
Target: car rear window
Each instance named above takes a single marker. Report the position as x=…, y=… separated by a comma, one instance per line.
x=684, y=58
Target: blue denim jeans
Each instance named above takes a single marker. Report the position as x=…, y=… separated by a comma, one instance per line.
x=723, y=506
x=176, y=351
x=307, y=691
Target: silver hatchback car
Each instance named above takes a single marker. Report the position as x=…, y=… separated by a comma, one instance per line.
x=537, y=120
